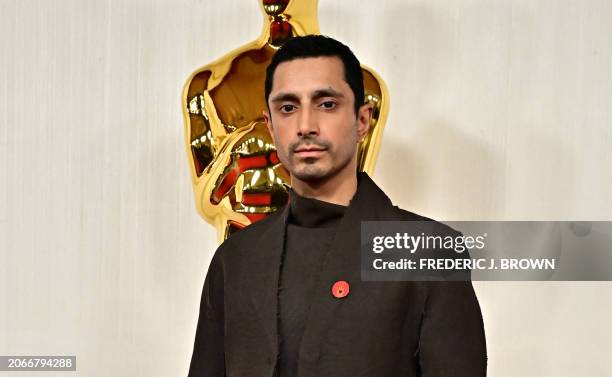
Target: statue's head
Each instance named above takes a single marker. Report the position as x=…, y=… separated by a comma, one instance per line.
x=239, y=177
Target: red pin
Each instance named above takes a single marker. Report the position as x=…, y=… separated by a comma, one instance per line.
x=340, y=289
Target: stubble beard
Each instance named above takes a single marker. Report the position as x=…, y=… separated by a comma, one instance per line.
x=313, y=169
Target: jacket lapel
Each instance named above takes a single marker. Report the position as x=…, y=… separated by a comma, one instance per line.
x=342, y=262
x=262, y=271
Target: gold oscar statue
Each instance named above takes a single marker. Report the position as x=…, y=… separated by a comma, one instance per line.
x=237, y=176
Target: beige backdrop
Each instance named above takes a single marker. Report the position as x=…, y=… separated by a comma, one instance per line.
x=499, y=110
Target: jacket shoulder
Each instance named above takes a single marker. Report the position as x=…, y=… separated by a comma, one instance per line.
x=404, y=215
x=250, y=234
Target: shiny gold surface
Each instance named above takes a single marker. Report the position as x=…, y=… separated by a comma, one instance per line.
x=237, y=178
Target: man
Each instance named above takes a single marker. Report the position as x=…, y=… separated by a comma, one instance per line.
x=284, y=296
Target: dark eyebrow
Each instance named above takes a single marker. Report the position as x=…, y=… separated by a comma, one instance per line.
x=282, y=97
x=329, y=92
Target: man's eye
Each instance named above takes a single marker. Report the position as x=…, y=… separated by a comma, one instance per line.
x=328, y=105
x=287, y=108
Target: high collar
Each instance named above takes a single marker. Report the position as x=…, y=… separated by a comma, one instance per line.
x=313, y=213
x=310, y=212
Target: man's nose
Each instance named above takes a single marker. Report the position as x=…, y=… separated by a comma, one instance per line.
x=307, y=123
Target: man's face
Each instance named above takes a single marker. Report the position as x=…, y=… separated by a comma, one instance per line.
x=312, y=118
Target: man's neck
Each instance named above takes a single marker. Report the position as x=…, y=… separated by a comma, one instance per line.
x=338, y=189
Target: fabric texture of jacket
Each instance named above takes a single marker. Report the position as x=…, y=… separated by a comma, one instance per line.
x=427, y=329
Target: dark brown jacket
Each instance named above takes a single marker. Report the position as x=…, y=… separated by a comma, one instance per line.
x=380, y=329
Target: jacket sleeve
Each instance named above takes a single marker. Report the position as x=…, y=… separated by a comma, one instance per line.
x=452, y=340
x=208, y=359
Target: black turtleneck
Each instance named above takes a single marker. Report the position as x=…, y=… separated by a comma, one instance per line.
x=310, y=230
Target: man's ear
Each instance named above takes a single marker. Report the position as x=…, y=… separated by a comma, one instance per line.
x=268, y=120
x=363, y=120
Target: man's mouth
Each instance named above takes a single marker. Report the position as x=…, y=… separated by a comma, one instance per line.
x=309, y=151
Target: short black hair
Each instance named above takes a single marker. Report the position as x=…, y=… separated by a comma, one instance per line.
x=313, y=46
